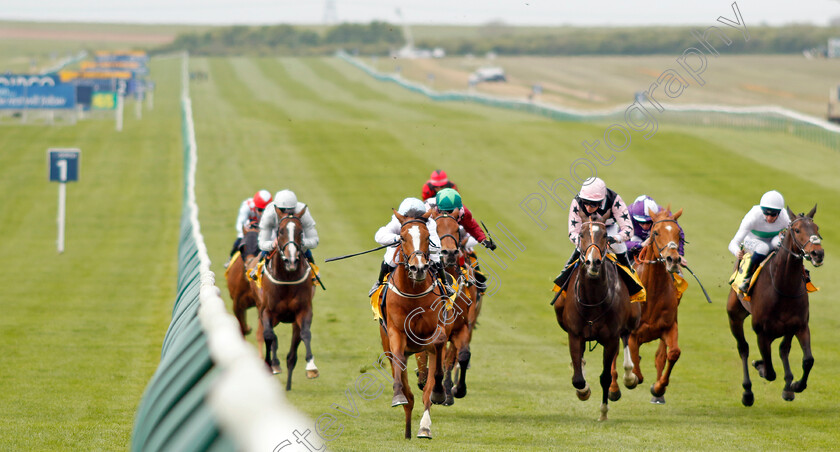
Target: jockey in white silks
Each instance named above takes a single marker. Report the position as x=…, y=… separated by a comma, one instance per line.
x=759, y=232
x=390, y=233
x=286, y=202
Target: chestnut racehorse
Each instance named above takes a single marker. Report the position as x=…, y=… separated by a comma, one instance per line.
x=416, y=320
x=239, y=287
x=658, y=261
x=467, y=305
x=286, y=296
x=779, y=306
x=597, y=307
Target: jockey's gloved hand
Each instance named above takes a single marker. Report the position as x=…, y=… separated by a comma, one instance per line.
x=489, y=244
x=611, y=240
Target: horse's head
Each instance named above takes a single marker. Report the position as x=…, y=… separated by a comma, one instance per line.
x=414, y=244
x=290, y=239
x=449, y=234
x=805, y=236
x=665, y=237
x=250, y=241
x=593, y=244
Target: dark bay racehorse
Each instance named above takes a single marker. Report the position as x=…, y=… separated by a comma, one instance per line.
x=597, y=307
x=239, y=287
x=416, y=320
x=779, y=306
x=658, y=261
x=466, y=308
x=286, y=296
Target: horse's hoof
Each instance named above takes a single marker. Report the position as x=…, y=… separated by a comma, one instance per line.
x=631, y=382
x=438, y=398
x=459, y=391
x=656, y=393
x=796, y=386
x=276, y=370
x=747, y=399
x=788, y=396
x=312, y=374
x=614, y=396
x=425, y=433
x=657, y=400
x=583, y=394
x=399, y=400
x=449, y=400
x=604, y=409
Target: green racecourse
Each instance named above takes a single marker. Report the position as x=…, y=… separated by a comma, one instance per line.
x=81, y=332
x=352, y=148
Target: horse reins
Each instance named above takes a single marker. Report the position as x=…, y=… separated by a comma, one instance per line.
x=801, y=255
x=653, y=244
x=282, y=249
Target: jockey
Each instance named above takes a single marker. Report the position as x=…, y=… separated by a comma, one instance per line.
x=596, y=198
x=640, y=212
x=250, y=211
x=759, y=232
x=286, y=202
x=390, y=233
x=437, y=181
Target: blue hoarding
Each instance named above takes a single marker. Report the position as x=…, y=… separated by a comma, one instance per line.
x=20, y=92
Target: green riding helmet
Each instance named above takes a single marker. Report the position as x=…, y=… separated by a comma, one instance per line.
x=448, y=199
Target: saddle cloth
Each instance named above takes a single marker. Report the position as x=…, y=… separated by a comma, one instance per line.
x=631, y=280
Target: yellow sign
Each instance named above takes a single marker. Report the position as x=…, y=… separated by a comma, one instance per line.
x=135, y=53
x=106, y=100
x=66, y=76
x=93, y=66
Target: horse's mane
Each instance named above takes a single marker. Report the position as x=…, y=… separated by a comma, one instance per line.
x=415, y=214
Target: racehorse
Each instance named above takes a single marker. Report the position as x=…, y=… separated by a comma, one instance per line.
x=466, y=305
x=597, y=307
x=779, y=306
x=658, y=261
x=286, y=296
x=239, y=286
x=416, y=320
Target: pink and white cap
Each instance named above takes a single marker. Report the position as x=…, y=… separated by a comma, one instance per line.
x=593, y=189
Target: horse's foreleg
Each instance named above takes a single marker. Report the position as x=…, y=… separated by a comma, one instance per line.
x=634, y=345
x=306, y=337
x=576, y=346
x=610, y=352
x=464, y=355
x=438, y=395
x=291, y=357
x=270, y=340
x=239, y=310
x=764, y=366
x=450, y=353
x=804, y=337
x=784, y=354
x=615, y=390
x=737, y=314
x=670, y=353
x=422, y=368
x=408, y=407
x=396, y=343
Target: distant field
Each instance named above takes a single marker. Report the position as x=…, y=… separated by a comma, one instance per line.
x=352, y=148
x=596, y=82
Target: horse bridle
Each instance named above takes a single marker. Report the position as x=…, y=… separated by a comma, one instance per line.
x=456, y=239
x=657, y=247
x=416, y=252
x=802, y=254
x=601, y=252
x=291, y=241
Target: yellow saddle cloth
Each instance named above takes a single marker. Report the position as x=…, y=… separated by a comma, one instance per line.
x=231, y=261
x=637, y=293
x=376, y=298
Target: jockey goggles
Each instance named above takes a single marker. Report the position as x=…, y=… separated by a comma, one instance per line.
x=770, y=212
x=587, y=202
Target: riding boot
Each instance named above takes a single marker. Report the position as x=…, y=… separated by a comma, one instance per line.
x=480, y=279
x=755, y=261
x=624, y=260
x=233, y=250
x=441, y=273
x=309, y=257
x=260, y=258
x=563, y=277
x=384, y=269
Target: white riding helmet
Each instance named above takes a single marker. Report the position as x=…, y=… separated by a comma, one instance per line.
x=772, y=200
x=285, y=199
x=410, y=204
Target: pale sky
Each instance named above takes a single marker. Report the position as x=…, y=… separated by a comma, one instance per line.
x=472, y=12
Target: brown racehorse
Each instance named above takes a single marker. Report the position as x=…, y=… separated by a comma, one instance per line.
x=656, y=264
x=466, y=307
x=597, y=307
x=416, y=320
x=239, y=287
x=779, y=306
x=286, y=296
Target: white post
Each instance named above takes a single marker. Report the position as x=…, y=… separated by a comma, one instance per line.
x=119, y=112
x=138, y=108
x=62, y=194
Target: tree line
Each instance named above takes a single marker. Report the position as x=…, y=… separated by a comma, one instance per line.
x=379, y=38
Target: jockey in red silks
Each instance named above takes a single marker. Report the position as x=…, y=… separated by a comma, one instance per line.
x=437, y=181
x=250, y=212
x=596, y=198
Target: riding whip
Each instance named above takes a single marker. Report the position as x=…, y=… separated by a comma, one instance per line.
x=488, y=233
x=317, y=278
x=698, y=282
x=363, y=252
